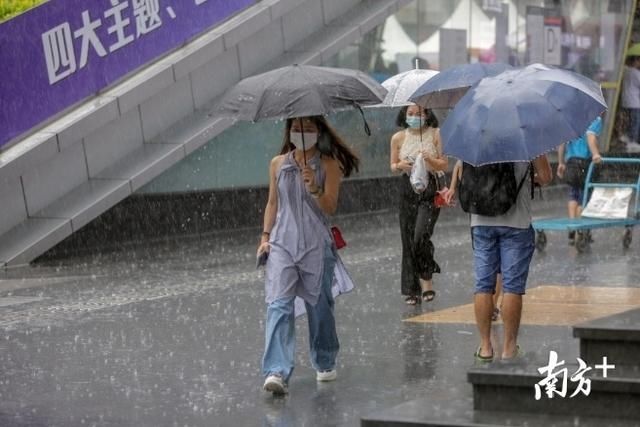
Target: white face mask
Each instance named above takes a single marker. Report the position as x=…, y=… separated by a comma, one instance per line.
x=310, y=139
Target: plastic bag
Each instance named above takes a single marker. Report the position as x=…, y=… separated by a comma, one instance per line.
x=418, y=178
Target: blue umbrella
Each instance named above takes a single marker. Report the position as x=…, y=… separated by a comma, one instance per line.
x=520, y=114
x=445, y=89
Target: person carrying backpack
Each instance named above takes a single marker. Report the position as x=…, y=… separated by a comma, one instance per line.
x=503, y=241
x=449, y=194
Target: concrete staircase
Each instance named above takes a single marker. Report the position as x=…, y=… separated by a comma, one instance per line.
x=504, y=392
x=57, y=180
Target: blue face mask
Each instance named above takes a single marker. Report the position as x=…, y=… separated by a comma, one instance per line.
x=414, y=121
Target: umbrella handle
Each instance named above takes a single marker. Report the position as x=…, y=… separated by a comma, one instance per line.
x=367, y=130
x=304, y=150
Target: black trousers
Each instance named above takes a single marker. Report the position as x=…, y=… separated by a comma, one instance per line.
x=418, y=216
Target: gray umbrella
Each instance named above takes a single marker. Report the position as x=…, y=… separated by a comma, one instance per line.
x=299, y=91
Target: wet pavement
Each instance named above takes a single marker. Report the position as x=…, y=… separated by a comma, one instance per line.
x=172, y=334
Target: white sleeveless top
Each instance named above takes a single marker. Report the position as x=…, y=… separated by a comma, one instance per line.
x=412, y=146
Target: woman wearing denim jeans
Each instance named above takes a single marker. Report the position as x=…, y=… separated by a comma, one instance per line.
x=302, y=260
x=505, y=244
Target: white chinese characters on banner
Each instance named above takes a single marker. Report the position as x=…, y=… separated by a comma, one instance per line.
x=58, y=52
x=119, y=24
x=58, y=42
x=147, y=13
x=87, y=35
x=609, y=203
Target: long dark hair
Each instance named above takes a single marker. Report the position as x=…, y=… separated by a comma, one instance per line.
x=430, y=120
x=336, y=149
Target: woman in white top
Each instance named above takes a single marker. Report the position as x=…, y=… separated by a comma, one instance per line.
x=418, y=213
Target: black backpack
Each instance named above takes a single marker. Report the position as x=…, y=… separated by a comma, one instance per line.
x=490, y=190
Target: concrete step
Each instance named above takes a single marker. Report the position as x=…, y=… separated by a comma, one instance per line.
x=438, y=411
x=57, y=221
x=144, y=164
x=32, y=237
x=617, y=337
x=512, y=385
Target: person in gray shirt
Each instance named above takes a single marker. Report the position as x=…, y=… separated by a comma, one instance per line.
x=505, y=244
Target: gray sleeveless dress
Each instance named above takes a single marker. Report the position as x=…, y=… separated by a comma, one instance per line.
x=298, y=241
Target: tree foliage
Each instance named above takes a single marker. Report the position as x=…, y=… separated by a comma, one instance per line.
x=10, y=8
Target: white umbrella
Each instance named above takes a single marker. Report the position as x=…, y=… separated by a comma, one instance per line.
x=401, y=86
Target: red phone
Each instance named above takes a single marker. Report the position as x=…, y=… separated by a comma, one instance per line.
x=337, y=237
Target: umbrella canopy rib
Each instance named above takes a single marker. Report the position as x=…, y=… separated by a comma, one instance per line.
x=321, y=96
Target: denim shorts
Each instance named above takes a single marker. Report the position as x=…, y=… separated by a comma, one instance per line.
x=502, y=249
x=575, y=194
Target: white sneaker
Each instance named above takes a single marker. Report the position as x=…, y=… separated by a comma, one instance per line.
x=275, y=384
x=624, y=138
x=325, y=376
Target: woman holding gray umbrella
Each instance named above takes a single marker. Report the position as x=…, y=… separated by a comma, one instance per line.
x=418, y=212
x=302, y=259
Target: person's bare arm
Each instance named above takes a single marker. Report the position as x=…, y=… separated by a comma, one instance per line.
x=438, y=163
x=271, y=209
x=396, y=165
x=456, y=174
x=562, y=166
x=327, y=198
x=592, y=142
x=543, y=174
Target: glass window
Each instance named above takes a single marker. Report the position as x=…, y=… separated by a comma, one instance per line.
x=586, y=36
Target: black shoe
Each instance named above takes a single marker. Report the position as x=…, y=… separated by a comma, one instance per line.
x=428, y=296
x=589, y=236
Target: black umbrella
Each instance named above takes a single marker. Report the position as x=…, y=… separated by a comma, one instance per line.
x=300, y=91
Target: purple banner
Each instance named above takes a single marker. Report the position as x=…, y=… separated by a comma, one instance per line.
x=64, y=51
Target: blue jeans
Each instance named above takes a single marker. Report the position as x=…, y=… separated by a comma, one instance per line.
x=502, y=249
x=280, y=341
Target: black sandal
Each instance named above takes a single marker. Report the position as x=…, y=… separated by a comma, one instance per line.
x=428, y=296
x=412, y=300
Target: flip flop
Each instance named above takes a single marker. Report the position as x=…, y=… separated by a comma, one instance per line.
x=428, y=296
x=482, y=359
x=517, y=355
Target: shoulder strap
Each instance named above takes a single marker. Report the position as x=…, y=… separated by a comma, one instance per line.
x=523, y=180
x=531, y=176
